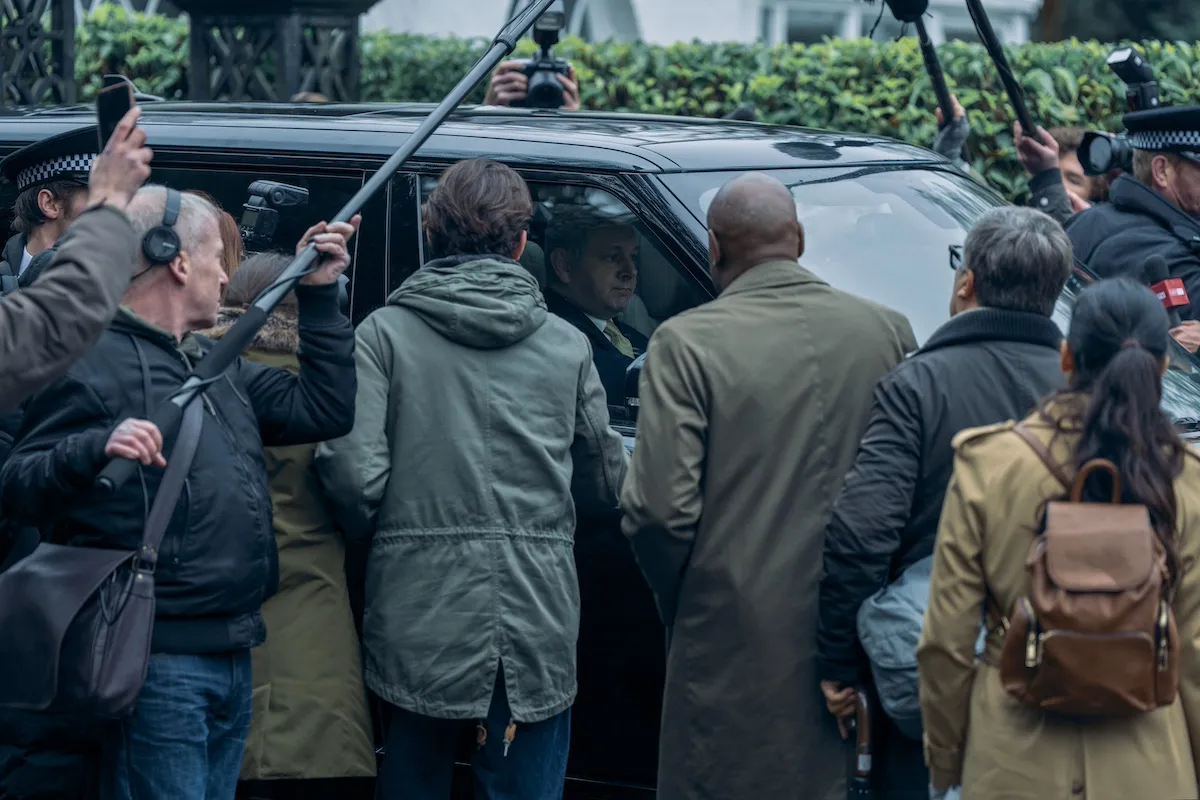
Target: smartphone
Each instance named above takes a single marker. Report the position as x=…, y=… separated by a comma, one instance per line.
x=112, y=104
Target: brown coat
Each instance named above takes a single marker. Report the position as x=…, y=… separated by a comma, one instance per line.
x=47, y=326
x=752, y=407
x=975, y=732
x=310, y=717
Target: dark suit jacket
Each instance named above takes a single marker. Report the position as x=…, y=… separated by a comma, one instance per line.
x=610, y=362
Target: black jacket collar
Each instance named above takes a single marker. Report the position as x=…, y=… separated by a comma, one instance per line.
x=995, y=325
x=1129, y=194
x=562, y=307
x=13, y=253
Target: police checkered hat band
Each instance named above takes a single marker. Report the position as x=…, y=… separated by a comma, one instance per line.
x=1165, y=141
x=64, y=166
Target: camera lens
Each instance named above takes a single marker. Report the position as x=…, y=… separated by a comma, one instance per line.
x=1100, y=156
x=544, y=90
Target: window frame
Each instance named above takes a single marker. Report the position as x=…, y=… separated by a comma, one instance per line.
x=371, y=250
x=646, y=197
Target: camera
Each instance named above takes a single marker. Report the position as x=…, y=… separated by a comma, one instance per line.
x=544, y=90
x=260, y=214
x=1141, y=90
x=1101, y=153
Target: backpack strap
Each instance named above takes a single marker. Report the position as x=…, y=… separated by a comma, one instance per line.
x=1043, y=453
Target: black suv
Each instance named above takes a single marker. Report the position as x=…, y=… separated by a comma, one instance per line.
x=880, y=219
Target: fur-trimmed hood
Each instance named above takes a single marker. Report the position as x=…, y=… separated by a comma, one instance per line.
x=280, y=335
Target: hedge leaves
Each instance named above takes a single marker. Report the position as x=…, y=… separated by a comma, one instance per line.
x=855, y=85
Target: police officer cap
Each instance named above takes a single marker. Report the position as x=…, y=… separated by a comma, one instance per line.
x=65, y=156
x=1168, y=129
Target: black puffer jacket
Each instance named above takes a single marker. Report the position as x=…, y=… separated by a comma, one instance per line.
x=1117, y=237
x=981, y=367
x=218, y=560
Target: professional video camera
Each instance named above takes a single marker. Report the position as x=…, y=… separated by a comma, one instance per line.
x=260, y=214
x=1101, y=153
x=544, y=90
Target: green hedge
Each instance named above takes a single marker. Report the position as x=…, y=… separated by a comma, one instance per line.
x=857, y=85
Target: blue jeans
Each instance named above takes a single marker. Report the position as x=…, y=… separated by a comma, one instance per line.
x=419, y=760
x=186, y=738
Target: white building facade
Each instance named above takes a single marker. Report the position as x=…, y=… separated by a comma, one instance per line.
x=670, y=21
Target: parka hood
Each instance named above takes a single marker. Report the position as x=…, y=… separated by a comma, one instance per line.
x=482, y=302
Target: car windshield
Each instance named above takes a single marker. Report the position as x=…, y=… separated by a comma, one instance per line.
x=885, y=234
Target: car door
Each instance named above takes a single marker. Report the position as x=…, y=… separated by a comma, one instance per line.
x=621, y=651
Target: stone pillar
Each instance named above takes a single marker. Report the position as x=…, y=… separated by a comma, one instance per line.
x=28, y=74
x=269, y=50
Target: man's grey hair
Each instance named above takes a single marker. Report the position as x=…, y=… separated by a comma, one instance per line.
x=198, y=218
x=1021, y=259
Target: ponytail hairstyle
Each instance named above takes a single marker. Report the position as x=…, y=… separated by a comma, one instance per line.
x=1118, y=338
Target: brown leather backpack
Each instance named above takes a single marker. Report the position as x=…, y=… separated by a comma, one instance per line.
x=1096, y=636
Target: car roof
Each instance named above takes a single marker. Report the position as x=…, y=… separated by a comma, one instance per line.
x=532, y=138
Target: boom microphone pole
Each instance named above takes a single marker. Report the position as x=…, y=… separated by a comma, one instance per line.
x=933, y=65
x=209, y=369
x=1013, y=89
x=913, y=11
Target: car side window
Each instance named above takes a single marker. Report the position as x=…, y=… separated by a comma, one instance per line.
x=586, y=243
x=327, y=194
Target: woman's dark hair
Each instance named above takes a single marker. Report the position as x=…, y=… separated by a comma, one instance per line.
x=479, y=207
x=1119, y=338
x=255, y=274
x=27, y=214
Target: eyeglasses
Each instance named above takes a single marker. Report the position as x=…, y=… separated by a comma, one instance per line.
x=956, y=256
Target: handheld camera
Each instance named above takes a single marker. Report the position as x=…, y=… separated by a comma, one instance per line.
x=1101, y=153
x=544, y=90
x=260, y=214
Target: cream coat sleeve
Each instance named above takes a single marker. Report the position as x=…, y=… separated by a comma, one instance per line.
x=47, y=326
x=1187, y=602
x=663, y=498
x=946, y=654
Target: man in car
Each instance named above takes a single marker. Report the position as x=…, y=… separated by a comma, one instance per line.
x=993, y=361
x=51, y=177
x=592, y=277
x=752, y=407
x=217, y=563
x=1154, y=211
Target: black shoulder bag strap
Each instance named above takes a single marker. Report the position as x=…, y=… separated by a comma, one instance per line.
x=171, y=487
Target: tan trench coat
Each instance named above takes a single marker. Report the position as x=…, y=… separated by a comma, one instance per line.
x=1001, y=749
x=310, y=716
x=752, y=407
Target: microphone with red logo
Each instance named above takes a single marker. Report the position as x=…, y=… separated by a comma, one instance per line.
x=1171, y=292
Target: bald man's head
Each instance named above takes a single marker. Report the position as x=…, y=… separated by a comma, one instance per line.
x=751, y=221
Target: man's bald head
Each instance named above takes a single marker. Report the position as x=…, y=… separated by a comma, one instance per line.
x=751, y=221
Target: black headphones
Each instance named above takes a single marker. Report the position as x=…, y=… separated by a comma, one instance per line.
x=161, y=244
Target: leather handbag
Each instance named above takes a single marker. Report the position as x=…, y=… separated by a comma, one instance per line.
x=76, y=622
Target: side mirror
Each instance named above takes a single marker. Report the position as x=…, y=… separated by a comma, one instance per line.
x=633, y=374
